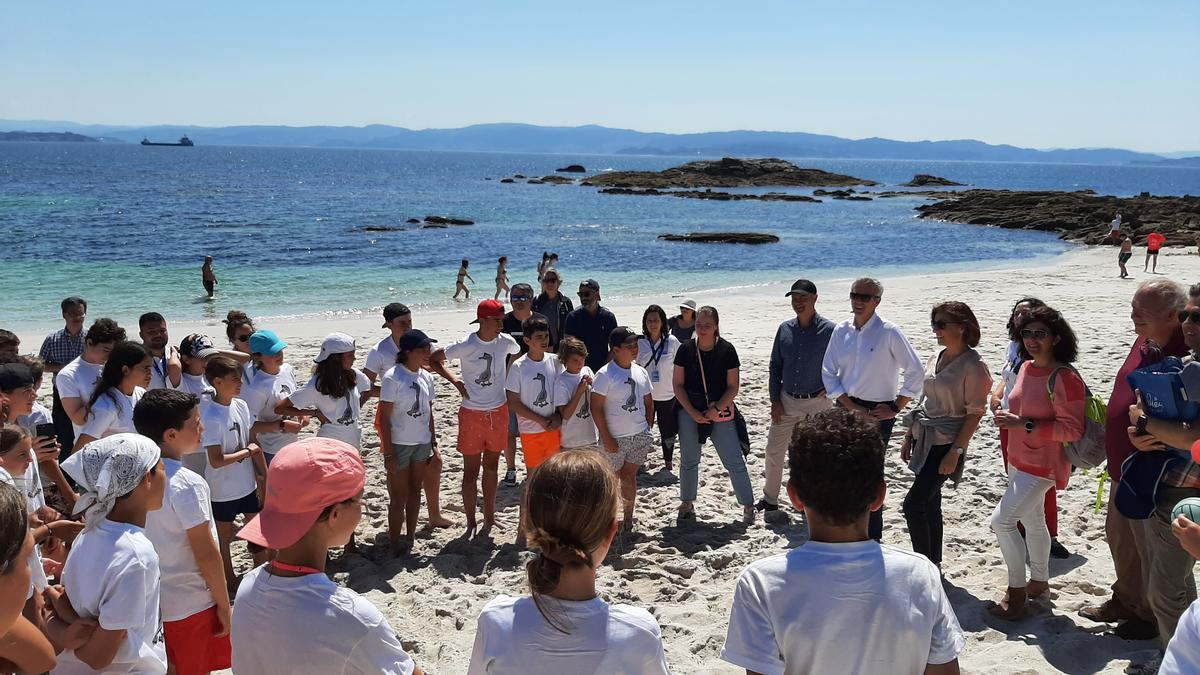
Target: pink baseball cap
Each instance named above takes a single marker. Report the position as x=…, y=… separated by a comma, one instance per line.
x=304, y=478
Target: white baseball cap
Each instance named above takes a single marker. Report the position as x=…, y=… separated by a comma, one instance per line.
x=335, y=343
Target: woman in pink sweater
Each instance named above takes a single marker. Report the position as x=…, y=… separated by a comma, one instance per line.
x=1037, y=425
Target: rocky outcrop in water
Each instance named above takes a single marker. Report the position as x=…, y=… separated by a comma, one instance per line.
x=727, y=172
x=572, y=168
x=447, y=220
x=926, y=180
x=722, y=237
x=710, y=195
x=1081, y=216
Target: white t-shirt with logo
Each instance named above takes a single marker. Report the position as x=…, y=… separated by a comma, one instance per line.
x=411, y=395
x=484, y=366
x=27, y=484
x=185, y=505
x=229, y=427
x=578, y=430
x=341, y=412
x=857, y=607
x=513, y=638
x=534, y=382
x=659, y=362
x=624, y=392
x=112, y=414
x=112, y=576
x=78, y=379
x=261, y=394
x=195, y=384
x=382, y=356
x=309, y=624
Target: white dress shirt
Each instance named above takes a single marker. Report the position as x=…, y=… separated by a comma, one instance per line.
x=866, y=363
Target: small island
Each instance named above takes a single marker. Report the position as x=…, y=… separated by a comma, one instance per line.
x=727, y=173
x=925, y=180
x=722, y=237
x=46, y=137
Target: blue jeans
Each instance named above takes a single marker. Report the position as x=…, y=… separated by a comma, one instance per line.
x=729, y=449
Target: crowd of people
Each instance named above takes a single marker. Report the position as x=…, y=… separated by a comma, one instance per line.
x=123, y=499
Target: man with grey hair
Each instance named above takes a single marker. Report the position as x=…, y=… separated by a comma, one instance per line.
x=862, y=365
x=1155, y=313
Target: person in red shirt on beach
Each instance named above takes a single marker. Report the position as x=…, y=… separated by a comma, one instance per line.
x=1155, y=314
x=1154, y=241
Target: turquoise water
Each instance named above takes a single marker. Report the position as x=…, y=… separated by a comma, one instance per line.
x=127, y=227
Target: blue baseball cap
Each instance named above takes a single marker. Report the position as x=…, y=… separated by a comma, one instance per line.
x=266, y=342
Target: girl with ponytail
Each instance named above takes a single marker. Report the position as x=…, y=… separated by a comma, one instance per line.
x=572, y=503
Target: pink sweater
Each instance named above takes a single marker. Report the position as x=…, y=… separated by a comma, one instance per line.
x=1040, y=453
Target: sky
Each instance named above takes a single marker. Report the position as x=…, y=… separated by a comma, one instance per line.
x=1044, y=74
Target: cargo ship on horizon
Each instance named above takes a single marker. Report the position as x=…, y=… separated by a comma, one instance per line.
x=184, y=142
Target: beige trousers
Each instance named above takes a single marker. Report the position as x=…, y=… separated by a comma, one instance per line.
x=780, y=437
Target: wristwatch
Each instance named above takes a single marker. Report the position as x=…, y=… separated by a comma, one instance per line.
x=1142, y=421
x=960, y=451
x=1029, y=426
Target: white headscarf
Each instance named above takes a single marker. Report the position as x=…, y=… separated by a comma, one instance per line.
x=108, y=468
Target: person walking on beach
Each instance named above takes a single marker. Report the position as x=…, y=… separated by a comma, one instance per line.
x=58, y=349
x=1046, y=409
x=553, y=305
x=865, y=358
x=707, y=379
x=483, y=415
x=624, y=404
x=1154, y=242
x=564, y=626
x=656, y=353
x=794, y=385
x=459, y=285
x=953, y=400
x=208, y=277
x=1124, y=256
x=501, y=277
x=683, y=324
x=841, y=603
x=1155, y=313
x=522, y=298
x=591, y=323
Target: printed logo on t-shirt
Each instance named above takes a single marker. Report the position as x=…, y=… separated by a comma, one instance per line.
x=347, y=418
x=415, y=410
x=540, y=401
x=630, y=404
x=485, y=380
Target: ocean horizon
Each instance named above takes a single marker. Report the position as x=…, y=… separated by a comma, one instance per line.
x=127, y=227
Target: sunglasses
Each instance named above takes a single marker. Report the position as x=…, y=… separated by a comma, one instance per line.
x=243, y=338
x=941, y=324
x=520, y=298
x=863, y=297
x=1185, y=315
x=549, y=280
x=1034, y=334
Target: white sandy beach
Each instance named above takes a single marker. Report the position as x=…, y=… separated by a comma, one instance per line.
x=685, y=575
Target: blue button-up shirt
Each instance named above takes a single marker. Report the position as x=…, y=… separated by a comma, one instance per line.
x=796, y=357
x=61, y=347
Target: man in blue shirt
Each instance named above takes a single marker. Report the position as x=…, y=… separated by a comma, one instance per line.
x=795, y=385
x=591, y=323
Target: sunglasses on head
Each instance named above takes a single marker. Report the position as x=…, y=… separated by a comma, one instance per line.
x=941, y=324
x=1185, y=315
x=1034, y=334
x=862, y=297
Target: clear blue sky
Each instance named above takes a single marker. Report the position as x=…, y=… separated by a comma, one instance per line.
x=1039, y=74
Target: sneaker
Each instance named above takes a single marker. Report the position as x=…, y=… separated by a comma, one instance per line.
x=1057, y=550
x=764, y=505
x=748, y=514
x=510, y=477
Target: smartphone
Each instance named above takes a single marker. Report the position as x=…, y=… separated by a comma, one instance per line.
x=46, y=430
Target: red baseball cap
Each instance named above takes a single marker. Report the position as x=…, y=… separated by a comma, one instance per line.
x=489, y=309
x=303, y=479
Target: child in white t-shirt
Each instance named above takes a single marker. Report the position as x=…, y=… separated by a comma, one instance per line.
x=24, y=646
x=841, y=603
x=123, y=381
x=572, y=396
x=270, y=382
x=112, y=572
x=236, y=471
x=194, y=352
x=563, y=626
x=194, y=600
x=623, y=395
x=334, y=392
x=289, y=616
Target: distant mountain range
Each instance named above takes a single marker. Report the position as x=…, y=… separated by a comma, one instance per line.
x=591, y=140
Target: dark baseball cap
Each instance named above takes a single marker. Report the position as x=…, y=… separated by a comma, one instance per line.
x=620, y=335
x=197, y=346
x=393, y=311
x=14, y=376
x=590, y=283
x=415, y=339
x=802, y=286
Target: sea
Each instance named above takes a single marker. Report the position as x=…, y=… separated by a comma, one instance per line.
x=127, y=227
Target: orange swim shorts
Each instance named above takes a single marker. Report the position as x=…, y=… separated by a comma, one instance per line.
x=482, y=430
x=538, y=447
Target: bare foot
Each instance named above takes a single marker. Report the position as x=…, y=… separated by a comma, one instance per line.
x=1036, y=589
x=440, y=521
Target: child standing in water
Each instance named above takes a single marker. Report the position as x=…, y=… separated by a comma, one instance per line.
x=208, y=276
x=459, y=286
x=501, y=277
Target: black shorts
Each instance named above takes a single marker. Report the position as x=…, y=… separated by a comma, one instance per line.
x=1153, y=253
x=208, y=286
x=227, y=512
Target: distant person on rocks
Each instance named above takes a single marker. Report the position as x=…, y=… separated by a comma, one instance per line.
x=1154, y=242
x=1114, y=231
x=208, y=277
x=841, y=603
x=553, y=305
x=501, y=277
x=1124, y=256
x=683, y=324
x=459, y=285
x=591, y=323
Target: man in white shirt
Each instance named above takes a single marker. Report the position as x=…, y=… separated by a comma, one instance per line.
x=841, y=603
x=862, y=365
